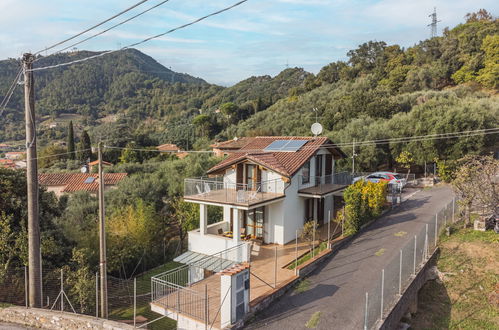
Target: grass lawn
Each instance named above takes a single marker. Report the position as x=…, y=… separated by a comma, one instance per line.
x=469, y=260
x=143, y=308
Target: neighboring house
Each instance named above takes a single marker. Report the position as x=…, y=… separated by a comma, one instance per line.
x=7, y=163
x=224, y=148
x=95, y=163
x=268, y=189
x=15, y=155
x=61, y=183
x=172, y=148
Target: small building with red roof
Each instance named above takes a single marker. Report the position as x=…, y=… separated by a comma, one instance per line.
x=61, y=183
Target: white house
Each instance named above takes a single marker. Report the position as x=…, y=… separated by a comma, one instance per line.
x=268, y=189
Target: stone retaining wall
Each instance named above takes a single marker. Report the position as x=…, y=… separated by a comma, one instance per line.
x=46, y=319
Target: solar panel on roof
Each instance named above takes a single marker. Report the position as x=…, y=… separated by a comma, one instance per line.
x=294, y=145
x=285, y=145
x=90, y=179
x=276, y=145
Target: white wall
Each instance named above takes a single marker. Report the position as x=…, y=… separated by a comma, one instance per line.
x=211, y=244
x=293, y=211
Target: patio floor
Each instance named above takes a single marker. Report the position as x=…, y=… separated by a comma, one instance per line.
x=263, y=261
x=262, y=278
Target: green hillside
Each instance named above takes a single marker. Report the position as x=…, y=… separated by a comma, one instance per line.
x=443, y=84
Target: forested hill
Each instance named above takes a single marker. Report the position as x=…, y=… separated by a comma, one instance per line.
x=443, y=84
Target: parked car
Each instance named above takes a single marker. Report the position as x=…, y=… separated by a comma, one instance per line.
x=395, y=179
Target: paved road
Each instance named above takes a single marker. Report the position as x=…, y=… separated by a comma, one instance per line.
x=337, y=289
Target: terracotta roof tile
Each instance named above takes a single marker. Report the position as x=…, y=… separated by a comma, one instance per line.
x=168, y=147
x=76, y=181
x=233, y=144
x=285, y=163
x=96, y=162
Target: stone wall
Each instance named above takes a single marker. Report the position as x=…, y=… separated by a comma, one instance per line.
x=46, y=319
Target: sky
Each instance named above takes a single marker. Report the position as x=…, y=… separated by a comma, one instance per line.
x=259, y=37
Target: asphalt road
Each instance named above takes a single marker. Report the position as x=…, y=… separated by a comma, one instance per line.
x=337, y=288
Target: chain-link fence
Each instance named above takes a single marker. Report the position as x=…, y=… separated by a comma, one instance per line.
x=78, y=292
x=398, y=273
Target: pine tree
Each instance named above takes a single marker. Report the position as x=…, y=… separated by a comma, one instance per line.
x=71, y=142
x=85, y=152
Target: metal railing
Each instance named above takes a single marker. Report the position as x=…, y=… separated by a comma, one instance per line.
x=179, y=290
x=178, y=298
x=218, y=190
x=400, y=271
x=342, y=178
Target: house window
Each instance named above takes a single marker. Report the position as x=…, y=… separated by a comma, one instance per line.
x=306, y=173
x=254, y=222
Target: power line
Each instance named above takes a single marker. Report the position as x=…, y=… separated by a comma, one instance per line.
x=143, y=41
x=92, y=27
x=357, y=143
x=429, y=137
x=114, y=26
x=10, y=91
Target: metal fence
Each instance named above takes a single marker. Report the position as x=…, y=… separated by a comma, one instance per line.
x=78, y=292
x=171, y=291
x=398, y=273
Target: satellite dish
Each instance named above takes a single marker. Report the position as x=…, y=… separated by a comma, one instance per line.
x=316, y=129
x=84, y=169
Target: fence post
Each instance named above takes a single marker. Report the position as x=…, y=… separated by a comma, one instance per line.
x=26, y=286
x=206, y=306
x=382, y=292
x=313, y=240
x=400, y=273
x=134, y=301
x=329, y=229
x=275, y=266
x=96, y=294
x=415, y=248
x=425, y=253
x=436, y=229
x=296, y=253
x=366, y=311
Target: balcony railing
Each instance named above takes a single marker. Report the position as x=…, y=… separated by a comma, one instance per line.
x=342, y=178
x=219, y=191
x=318, y=185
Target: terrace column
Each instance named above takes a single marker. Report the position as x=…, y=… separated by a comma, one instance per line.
x=236, y=230
x=203, y=219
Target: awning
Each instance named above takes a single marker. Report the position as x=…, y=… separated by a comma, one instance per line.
x=321, y=191
x=215, y=264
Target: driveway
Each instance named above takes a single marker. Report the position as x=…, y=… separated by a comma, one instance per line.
x=337, y=288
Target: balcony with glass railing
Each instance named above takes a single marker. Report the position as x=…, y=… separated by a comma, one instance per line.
x=223, y=192
x=325, y=184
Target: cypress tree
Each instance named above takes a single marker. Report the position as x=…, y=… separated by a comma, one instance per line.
x=71, y=141
x=85, y=151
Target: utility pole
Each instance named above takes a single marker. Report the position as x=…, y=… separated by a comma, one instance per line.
x=34, y=252
x=102, y=240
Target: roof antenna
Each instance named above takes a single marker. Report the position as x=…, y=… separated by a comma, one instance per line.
x=316, y=127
